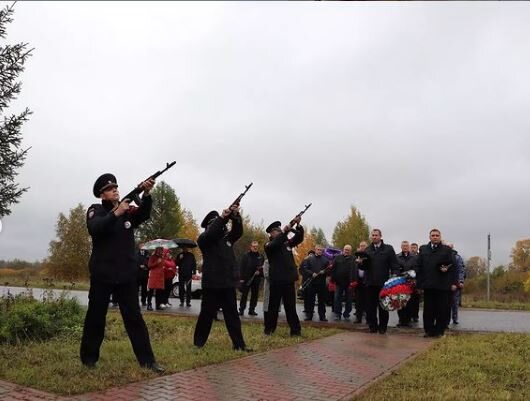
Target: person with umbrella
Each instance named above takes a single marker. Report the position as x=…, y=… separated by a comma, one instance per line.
x=157, y=264
x=112, y=268
x=156, y=278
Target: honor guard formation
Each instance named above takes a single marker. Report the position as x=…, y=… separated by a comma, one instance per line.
x=373, y=277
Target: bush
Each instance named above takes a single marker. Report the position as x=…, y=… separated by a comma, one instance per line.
x=505, y=287
x=23, y=318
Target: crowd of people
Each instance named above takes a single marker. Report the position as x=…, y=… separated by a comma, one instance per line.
x=156, y=274
x=343, y=278
x=358, y=276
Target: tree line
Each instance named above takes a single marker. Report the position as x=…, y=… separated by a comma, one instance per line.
x=69, y=252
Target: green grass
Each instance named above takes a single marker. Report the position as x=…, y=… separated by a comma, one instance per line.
x=54, y=365
x=462, y=367
x=482, y=304
x=39, y=282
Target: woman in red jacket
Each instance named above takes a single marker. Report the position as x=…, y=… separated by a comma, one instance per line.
x=170, y=270
x=156, y=279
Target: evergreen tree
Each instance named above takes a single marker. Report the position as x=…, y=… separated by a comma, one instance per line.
x=352, y=230
x=167, y=216
x=319, y=236
x=251, y=232
x=12, y=60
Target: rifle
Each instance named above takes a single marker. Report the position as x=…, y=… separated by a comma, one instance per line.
x=134, y=195
x=292, y=223
x=237, y=201
x=248, y=283
x=306, y=283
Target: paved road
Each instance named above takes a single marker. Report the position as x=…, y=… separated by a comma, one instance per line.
x=470, y=319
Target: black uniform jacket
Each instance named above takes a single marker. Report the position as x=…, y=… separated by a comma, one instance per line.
x=142, y=258
x=187, y=265
x=382, y=263
x=250, y=262
x=344, y=270
x=219, y=268
x=279, y=251
x=302, y=269
x=406, y=262
x=362, y=262
x=315, y=264
x=113, y=257
x=429, y=275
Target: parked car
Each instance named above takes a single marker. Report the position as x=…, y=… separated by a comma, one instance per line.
x=196, y=286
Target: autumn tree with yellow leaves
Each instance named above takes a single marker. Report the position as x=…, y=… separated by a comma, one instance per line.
x=70, y=251
x=521, y=256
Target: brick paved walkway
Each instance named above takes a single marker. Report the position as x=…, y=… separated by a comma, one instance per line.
x=331, y=368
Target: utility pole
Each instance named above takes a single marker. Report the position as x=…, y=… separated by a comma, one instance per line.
x=488, y=261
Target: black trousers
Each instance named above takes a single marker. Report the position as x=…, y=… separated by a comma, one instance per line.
x=142, y=284
x=185, y=289
x=414, y=303
x=159, y=296
x=212, y=300
x=282, y=290
x=360, y=301
x=306, y=298
x=405, y=314
x=372, y=309
x=168, y=286
x=94, y=327
x=254, y=291
x=317, y=288
x=436, y=311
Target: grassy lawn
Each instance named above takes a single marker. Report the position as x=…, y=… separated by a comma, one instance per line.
x=54, y=365
x=462, y=367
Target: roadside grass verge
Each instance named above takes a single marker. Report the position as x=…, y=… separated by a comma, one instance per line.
x=482, y=304
x=54, y=365
x=42, y=282
x=461, y=367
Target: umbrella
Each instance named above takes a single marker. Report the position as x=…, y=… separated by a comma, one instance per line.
x=156, y=243
x=185, y=242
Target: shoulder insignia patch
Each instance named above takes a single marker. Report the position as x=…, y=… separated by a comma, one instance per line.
x=91, y=213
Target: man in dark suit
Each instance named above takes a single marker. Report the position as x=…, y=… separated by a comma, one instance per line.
x=251, y=269
x=383, y=262
x=437, y=277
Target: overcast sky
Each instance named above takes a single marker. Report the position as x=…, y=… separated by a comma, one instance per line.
x=416, y=113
